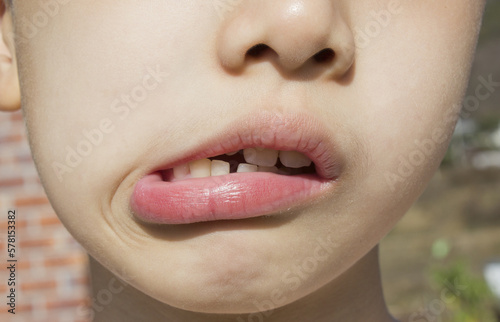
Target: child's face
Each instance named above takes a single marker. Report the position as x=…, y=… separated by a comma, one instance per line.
x=114, y=90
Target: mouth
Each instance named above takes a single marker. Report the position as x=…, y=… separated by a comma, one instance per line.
x=258, y=166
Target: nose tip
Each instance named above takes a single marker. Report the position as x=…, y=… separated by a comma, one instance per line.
x=290, y=32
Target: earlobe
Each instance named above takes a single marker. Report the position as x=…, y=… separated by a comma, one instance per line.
x=10, y=96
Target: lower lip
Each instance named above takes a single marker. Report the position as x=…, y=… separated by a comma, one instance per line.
x=233, y=196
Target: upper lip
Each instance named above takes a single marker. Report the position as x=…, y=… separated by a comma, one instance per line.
x=286, y=132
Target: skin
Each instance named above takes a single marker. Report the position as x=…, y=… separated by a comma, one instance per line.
x=387, y=88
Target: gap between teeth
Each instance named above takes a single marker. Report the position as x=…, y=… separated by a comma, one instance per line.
x=258, y=160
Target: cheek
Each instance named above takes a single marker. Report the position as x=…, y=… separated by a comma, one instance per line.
x=406, y=96
x=70, y=94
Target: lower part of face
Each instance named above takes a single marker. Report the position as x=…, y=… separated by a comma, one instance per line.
x=111, y=87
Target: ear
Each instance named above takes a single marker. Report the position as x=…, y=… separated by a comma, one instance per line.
x=10, y=94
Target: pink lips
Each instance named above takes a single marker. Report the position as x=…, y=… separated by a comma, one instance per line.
x=241, y=195
x=233, y=196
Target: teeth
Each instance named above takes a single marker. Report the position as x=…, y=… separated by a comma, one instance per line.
x=293, y=159
x=261, y=156
x=200, y=168
x=181, y=171
x=268, y=169
x=284, y=171
x=220, y=168
x=245, y=167
x=258, y=160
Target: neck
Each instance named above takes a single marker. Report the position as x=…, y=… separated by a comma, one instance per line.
x=356, y=295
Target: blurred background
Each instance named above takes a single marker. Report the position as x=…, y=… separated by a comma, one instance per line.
x=433, y=263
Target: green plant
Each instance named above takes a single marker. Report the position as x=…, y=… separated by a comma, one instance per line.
x=468, y=297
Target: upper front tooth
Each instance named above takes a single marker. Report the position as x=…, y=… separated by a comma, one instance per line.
x=244, y=167
x=261, y=156
x=294, y=159
x=220, y=168
x=232, y=153
x=181, y=171
x=200, y=168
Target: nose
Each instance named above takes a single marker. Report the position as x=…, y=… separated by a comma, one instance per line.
x=292, y=33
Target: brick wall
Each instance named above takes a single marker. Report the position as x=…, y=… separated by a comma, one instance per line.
x=51, y=277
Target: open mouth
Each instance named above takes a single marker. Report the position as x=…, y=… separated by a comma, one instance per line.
x=258, y=166
x=255, y=159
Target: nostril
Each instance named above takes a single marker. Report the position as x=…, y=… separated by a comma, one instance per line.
x=258, y=50
x=324, y=56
